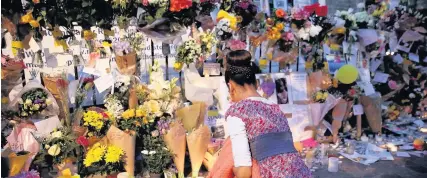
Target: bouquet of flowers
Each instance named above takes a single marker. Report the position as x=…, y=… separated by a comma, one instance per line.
x=126, y=51
x=131, y=120
x=223, y=29
x=155, y=154
x=58, y=86
x=320, y=96
x=353, y=94
x=207, y=41
x=57, y=148
x=189, y=51
x=10, y=74
x=154, y=9
x=97, y=122
x=246, y=10
x=103, y=159
x=235, y=45
x=34, y=100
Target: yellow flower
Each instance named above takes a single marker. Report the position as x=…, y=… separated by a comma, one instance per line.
x=128, y=114
x=319, y=96
x=27, y=17
x=67, y=174
x=140, y=113
x=153, y=106
x=280, y=26
x=309, y=64
x=145, y=120
x=263, y=62
x=273, y=34
x=56, y=134
x=94, y=154
x=335, y=47
x=88, y=35
x=177, y=66
x=54, y=150
x=339, y=30
x=34, y=23
x=325, y=95
x=4, y=100
x=113, y=155
x=335, y=83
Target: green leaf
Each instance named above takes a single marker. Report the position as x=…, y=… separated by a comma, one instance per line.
x=43, y=13
x=93, y=11
x=85, y=4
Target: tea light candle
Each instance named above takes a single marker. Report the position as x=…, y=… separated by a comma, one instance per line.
x=333, y=164
x=364, y=138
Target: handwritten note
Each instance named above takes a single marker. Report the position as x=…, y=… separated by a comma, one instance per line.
x=211, y=69
x=104, y=82
x=299, y=86
x=357, y=110
x=381, y=77
x=414, y=57
x=398, y=59
x=375, y=64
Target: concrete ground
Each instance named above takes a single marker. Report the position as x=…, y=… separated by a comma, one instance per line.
x=413, y=167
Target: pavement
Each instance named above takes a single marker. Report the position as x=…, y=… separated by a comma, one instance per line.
x=413, y=167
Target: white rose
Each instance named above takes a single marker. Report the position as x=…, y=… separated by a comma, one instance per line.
x=152, y=152
x=411, y=95
x=145, y=152
x=350, y=10
x=315, y=30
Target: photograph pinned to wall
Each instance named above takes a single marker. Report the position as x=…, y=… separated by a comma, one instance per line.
x=282, y=90
x=335, y=62
x=266, y=87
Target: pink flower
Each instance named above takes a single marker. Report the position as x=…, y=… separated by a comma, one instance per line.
x=3, y=60
x=144, y=2
x=300, y=14
x=288, y=36
x=392, y=84
x=235, y=45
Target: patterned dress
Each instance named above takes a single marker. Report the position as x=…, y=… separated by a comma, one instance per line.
x=262, y=118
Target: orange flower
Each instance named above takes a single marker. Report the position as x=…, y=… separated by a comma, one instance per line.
x=27, y=18
x=36, y=1
x=280, y=13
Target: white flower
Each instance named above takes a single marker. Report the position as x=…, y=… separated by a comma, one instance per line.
x=350, y=10
x=54, y=150
x=220, y=32
x=303, y=34
x=411, y=95
x=339, y=22
x=145, y=152
x=315, y=30
x=57, y=134
x=396, y=25
x=152, y=152
x=361, y=5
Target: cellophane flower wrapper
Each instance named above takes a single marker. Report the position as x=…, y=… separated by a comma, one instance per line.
x=175, y=140
x=11, y=75
x=126, y=141
x=164, y=31
x=192, y=116
x=50, y=110
x=225, y=167
x=319, y=110
x=58, y=87
x=198, y=141
x=22, y=139
x=372, y=108
x=126, y=63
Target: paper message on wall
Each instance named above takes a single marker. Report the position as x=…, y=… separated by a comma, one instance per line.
x=32, y=71
x=299, y=86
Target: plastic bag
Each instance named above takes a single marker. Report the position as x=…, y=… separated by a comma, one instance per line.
x=164, y=31
x=51, y=110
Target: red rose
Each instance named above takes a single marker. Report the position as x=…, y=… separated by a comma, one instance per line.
x=352, y=92
x=105, y=115
x=82, y=141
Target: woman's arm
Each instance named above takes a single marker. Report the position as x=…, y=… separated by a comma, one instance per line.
x=240, y=147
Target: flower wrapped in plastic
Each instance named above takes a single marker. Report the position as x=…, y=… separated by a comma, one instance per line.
x=164, y=30
x=97, y=121
x=34, y=101
x=58, y=87
x=189, y=52
x=103, y=159
x=175, y=139
x=11, y=74
x=58, y=149
x=372, y=108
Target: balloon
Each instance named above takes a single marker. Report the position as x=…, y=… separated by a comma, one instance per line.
x=347, y=74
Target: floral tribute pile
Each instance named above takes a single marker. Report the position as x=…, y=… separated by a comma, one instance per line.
x=72, y=85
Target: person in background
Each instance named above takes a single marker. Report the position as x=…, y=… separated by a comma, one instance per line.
x=261, y=140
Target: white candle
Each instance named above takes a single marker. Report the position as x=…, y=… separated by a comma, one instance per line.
x=333, y=164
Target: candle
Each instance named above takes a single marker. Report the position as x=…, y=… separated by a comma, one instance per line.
x=333, y=164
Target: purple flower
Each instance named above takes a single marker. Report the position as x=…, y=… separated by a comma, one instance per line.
x=122, y=46
x=38, y=101
x=29, y=174
x=163, y=126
